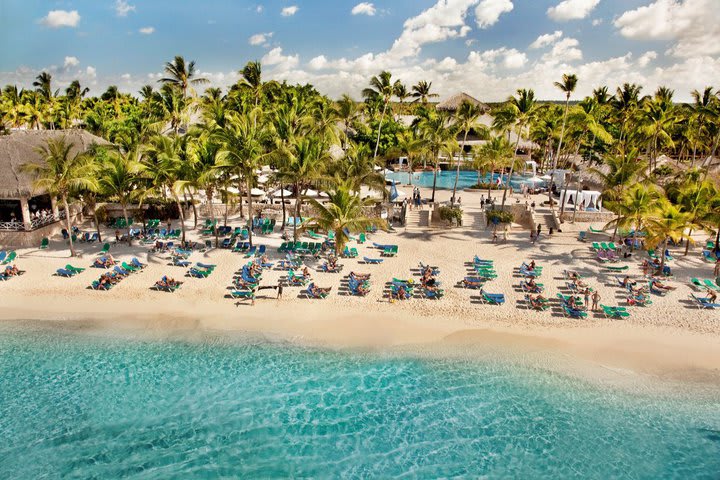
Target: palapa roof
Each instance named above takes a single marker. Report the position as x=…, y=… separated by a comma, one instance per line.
x=19, y=148
x=453, y=103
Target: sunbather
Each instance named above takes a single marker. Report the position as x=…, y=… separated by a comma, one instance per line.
x=306, y=272
x=11, y=271
x=316, y=291
x=531, y=266
x=471, y=283
x=655, y=283
x=359, y=276
x=399, y=294
x=627, y=283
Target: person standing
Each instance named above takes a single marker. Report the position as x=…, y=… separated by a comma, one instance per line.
x=595, y=300
x=587, y=297
x=539, y=228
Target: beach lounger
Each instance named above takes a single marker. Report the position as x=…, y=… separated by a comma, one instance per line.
x=62, y=272
x=361, y=238
x=251, y=251
x=373, y=261
x=96, y=285
x=44, y=243
x=74, y=269
x=711, y=285
x=703, y=302
x=538, y=288
x=668, y=257
x=614, y=312
x=708, y=256
x=136, y=263
x=197, y=273
x=179, y=262
x=651, y=254
x=243, y=294
x=595, y=230
x=120, y=271
x=596, y=246
x=477, y=260
x=105, y=249
x=573, y=313
x=536, y=304
x=432, y=294
x=206, y=266
x=129, y=268
x=390, y=251
x=616, y=268
x=492, y=298
x=380, y=246
x=473, y=282
x=10, y=258
x=602, y=256
x=310, y=294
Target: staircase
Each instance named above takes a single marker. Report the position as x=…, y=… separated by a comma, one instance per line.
x=417, y=218
x=474, y=220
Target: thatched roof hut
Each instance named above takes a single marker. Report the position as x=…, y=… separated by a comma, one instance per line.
x=453, y=103
x=19, y=148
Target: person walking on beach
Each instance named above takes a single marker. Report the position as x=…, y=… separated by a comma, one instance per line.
x=587, y=297
x=595, y=300
x=539, y=227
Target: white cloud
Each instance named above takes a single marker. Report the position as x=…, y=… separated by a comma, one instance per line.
x=282, y=62
x=260, y=38
x=61, y=18
x=565, y=50
x=597, y=22
x=147, y=30
x=126, y=76
x=646, y=58
x=91, y=72
x=289, y=11
x=691, y=24
x=572, y=9
x=547, y=39
x=259, y=9
x=514, y=59
x=363, y=8
x=488, y=12
x=318, y=63
x=71, y=62
x=122, y=8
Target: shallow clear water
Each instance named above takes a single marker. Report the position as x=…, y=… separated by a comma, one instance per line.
x=110, y=408
x=446, y=179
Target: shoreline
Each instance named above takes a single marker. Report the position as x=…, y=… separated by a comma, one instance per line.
x=619, y=355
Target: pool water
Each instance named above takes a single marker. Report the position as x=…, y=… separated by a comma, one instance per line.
x=82, y=407
x=446, y=179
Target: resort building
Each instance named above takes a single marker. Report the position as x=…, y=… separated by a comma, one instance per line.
x=28, y=214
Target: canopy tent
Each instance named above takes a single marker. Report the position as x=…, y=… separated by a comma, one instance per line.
x=534, y=180
x=532, y=165
x=589, y=199
x=257, y=192
x=280, y=193
x=315, y=194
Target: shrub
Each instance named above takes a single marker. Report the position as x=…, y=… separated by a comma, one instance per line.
x=499, y=216
x=450, y=213
x=486, y=186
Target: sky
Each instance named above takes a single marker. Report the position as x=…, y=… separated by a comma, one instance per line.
x=486, y=48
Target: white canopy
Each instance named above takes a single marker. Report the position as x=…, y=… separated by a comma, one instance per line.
x=534, y=180
x=280, y=193
x=586, y=198
x=257, y=192
x=312, y=193
x=263, y=178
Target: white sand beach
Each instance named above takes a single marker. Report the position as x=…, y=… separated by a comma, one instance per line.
x=670, y=337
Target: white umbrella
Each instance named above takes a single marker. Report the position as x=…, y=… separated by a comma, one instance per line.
x=263, y=179
x=312, y=193
x=546, y=177
x=280, y=193
x=534, y=180
x=257, y=192
x=233, y=190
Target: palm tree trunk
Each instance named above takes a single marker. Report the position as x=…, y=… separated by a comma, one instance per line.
x=97, y=223
x=68, y=225
x=687, y=242
x=435, y=169
x=182, y=215
x=240, y=185
x=662, y=258
x=377, y=143
x=195, y=213
x=297, y=211
x=557, y=156
x=250, y=212
x=282, y=200
x=512, y=168
x=127, y=221
x=457, y=172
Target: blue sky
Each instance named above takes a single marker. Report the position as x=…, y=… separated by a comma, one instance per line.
x=488, y=48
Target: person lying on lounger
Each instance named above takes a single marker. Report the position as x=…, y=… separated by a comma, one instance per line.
x=316, y=291
x=626, y=282
x=661, y=286
x=359, y=276
x=399, y=294
x=471, y=284
x=11, y=271
x=306, y=272
x=537, y=301
x=531, y=266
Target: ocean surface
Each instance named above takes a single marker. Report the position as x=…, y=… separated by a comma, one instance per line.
x=75, y=406
x=446, y=179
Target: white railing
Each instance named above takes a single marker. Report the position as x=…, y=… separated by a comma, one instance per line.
x=16, y=226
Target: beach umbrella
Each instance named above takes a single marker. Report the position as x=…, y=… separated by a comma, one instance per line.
x=280, y=193
x=534, y=180
x=257, y=192
x=263, y=179
x=312, y=193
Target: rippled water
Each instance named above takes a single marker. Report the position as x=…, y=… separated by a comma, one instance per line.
x=106, y=408
x=446, y=179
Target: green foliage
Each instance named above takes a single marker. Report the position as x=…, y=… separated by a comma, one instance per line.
x=499, y=216
x=449, y=214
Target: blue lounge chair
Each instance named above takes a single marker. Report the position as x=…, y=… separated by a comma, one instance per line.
x=703, y=302
x=373, y=261
x=62, y=272
x=179, y=262
x=136, y=263
x=492, y=298
x=206, y=266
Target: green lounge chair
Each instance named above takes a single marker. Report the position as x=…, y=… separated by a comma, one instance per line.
x=44, y=243
x=615, y=312
x=594, y=230
x=361, y=238
x=10, y=258
x=616, y=268
x=604, y=246
x=243, y=294
x=707, y=283
x=313, y=235
x=651, y=254
x=105, y=249
x=596, y=246
x=129, y=268
x=74, y=269
x=613, y=246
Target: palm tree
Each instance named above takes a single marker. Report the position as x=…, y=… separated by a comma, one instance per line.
x=702, y=102
x=382, y=88
x=494, y=154
x=466, y=119
x=181, y=76
x=520, y=111
x=251, y=78
x=634, y=208
x=306, y=159
x=695, y=199
x=118, y=179
x=347, y=111
x=667, y=222
x=43, y=85
x=402, y=93
x=342, y=213
x=421, y=92
x=437, y=133
x=242, y=151
x=567, y=86
x=409, y=145
x=625, y=102
x=62, y=175
x=657, y=119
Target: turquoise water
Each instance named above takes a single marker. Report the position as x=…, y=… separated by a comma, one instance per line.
x=446, y=179
x=111, y=408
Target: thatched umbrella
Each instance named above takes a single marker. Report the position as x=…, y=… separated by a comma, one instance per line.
x=453, y=103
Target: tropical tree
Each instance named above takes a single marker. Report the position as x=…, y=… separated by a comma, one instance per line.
x=666, y=223
x=494, y=154
x=118, y=180
x=634, y=208
x=437, y=134
x=347, y=111
x=520, y=111
x=409, y=145
x=381, y=88
x=62, y=174
x=242, y=151
x=695, y=199
x=466, y=119
x=421, y=92
x=182, y=76
x=343, y=212
x=567, y=86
